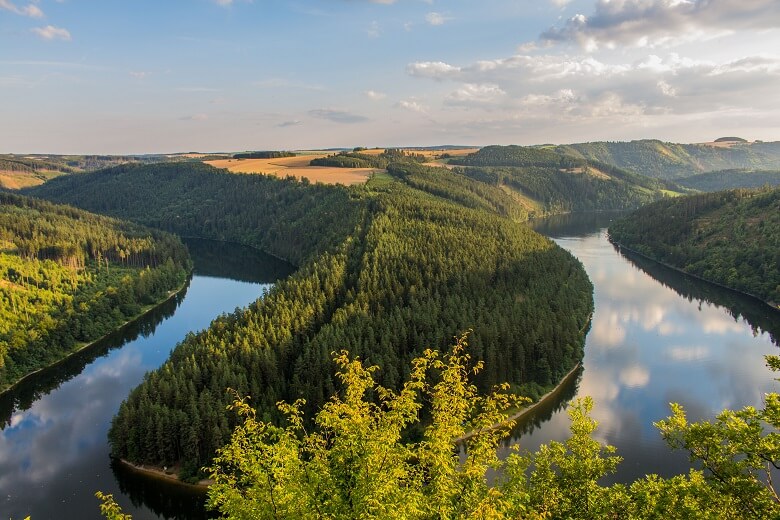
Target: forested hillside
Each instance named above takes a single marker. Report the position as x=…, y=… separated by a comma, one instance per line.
x=731, y=237
x=356, y=159
x=672, y=161
x=544, y=181
x=731, y=179
x=283, y=217
x=76, y=163
x=67, y=277
x=395, y=268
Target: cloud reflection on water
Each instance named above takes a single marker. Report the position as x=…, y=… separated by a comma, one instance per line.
x=648, y=346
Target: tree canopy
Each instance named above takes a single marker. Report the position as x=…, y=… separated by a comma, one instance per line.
x=731, y=238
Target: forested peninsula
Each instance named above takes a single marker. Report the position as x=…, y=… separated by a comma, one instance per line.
x=731, y=238
x=69, y=277
x=731, y=179
x=404, y=263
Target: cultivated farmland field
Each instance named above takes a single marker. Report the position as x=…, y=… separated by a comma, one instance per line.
x=297, y=166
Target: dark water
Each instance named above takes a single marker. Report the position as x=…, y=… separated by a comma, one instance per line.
x=657, y=337
x=53, y=449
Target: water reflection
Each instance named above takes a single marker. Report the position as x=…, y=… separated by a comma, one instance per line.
x=221, y=260
x=651, y=343
x=44, y=382
x=53, y=449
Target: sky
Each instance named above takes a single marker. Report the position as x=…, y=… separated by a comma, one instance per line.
x=165, y=76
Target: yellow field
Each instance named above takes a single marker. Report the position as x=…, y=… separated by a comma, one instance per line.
x=18, y=180
x=297, y=166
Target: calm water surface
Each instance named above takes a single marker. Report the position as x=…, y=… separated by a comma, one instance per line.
x=657, y=337
x=53, y=449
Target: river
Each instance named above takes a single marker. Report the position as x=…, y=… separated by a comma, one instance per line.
x=657, y=337
x=53, y=448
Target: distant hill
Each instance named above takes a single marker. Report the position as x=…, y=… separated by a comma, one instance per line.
x=728, y=237
x=730, y=179
x=78, y=163
x=544, y=180
x=730, y=140
x=673, y=161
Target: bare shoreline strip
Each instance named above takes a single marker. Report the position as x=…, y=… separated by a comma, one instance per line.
x=154, y=472
x=526, y=409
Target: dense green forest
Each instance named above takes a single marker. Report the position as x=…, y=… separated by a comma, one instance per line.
x=272, y=154
x=356, y=159
x=672, y=160
x=544, y=181
x=68, y=277
x=731, y=179
x=730, y=237
x=386, y=270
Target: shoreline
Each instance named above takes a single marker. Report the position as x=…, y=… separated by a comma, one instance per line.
x=156, y=472
x=171, y=295
x=774, y=306
x=526, y=410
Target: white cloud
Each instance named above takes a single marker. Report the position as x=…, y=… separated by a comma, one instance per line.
x=196, y=117
x=31, y=10
x=412, y=105
x=432, y=69
x=476, y=93
x=140, y=74
x=666, y=89
x=435, y=18
x=567, y=87
x=651, y=23
x=373, y=95
x=52, y=33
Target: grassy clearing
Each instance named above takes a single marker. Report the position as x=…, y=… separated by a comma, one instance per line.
x=379, y=180
x=18, y=180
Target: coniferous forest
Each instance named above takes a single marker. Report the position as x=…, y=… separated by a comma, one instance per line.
x=70, y=277
x=729, y=237
x=386, y=270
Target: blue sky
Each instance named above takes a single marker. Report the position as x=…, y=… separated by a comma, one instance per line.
x=118, y=76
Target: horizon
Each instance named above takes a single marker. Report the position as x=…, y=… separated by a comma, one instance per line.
x=111, y=78
x=441, y=147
